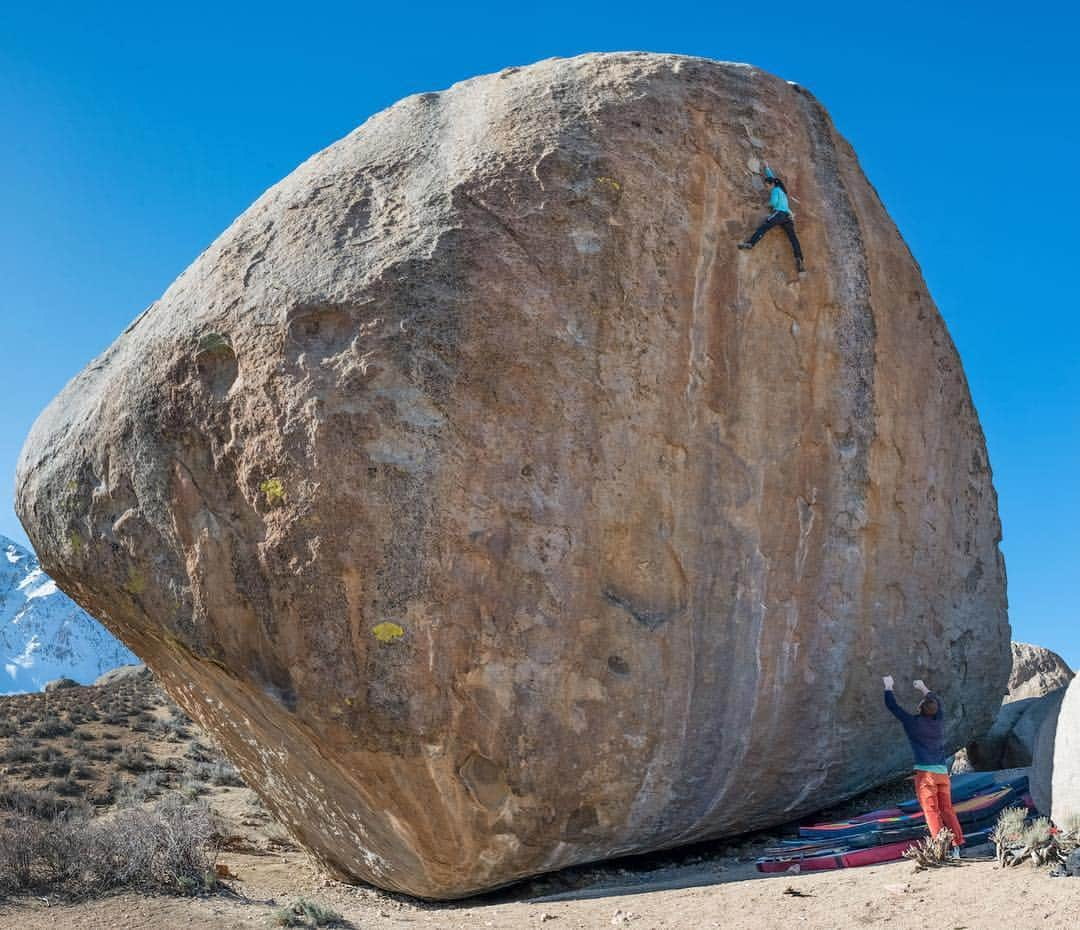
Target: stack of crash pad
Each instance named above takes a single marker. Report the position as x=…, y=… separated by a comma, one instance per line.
x=884, y=835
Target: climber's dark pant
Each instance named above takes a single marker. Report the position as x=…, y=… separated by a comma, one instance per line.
x=779, y=218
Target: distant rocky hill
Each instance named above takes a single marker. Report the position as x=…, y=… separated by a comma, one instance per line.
x=43, y=633
x=1036, y=671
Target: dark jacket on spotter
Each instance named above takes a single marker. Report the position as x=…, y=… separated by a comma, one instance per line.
x=926, y=734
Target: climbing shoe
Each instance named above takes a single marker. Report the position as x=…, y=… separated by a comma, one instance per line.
x=746, y=245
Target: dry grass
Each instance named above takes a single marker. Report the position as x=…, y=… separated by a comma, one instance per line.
x=100, y=789
x=170, y=848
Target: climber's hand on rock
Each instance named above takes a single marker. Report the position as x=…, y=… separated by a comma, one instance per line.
x=920, y=685
x=888, y=680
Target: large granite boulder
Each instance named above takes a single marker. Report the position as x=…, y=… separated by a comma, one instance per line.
x=496, y=514
x=1036, y=671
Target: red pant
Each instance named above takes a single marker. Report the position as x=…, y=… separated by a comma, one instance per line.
x=935, y=799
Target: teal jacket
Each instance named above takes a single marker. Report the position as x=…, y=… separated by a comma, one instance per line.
x=778, y=200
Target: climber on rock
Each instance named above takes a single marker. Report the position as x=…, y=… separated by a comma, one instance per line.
x=926, y=732
x=780, y=216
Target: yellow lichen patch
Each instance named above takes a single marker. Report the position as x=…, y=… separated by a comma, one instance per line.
x=76, y=542
x=610, y=182
x=387, y=632
x=135, y=584
x=274, y=491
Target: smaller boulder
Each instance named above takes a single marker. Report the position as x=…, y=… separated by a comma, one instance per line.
x=122, y=672
x=995, y=749
x=1020, y=744
x=1065, y=778
x=60, y=684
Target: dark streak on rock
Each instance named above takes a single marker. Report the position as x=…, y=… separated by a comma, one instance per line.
x=648, y=617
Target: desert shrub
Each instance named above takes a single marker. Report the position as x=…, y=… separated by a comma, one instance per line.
x=49, y=726
x=67, y=788
x=59, y=766
x=143, y=721
x=304, y=913
x=171, y=848
x=1038, y=831
x=178, y=727
x=19, y=750
x=192, y=788
x=80, y=768
x=218, y=773
x=7, y=728
x=79, y=737
x=40, y=804
x=133, y=758
x=197, y=752
x=147, y=785
x=933, y=851
x=1010, y=826
x=177, y=716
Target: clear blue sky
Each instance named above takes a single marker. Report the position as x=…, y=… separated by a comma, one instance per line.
x=134, y=133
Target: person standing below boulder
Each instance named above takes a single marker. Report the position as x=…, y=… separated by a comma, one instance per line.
x=780, y=216
x=926, y=732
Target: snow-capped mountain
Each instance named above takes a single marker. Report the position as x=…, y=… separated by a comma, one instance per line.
x=43, y=633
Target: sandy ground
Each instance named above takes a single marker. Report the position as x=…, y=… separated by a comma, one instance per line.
x=973, y=896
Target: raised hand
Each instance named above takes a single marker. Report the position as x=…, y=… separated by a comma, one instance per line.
x=920, y=685
x=888, y=681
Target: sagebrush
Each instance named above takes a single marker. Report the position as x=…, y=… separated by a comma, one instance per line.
x=170, y=848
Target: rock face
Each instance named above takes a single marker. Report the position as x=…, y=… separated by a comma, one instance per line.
x=1041, y=779
x=497, y=514
x=1055, y=782
x=1036, y=671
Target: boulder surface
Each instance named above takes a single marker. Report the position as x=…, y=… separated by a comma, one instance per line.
x=1056, y=769
x=497, y=514
x=1041, y=779
x=1011, y=740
